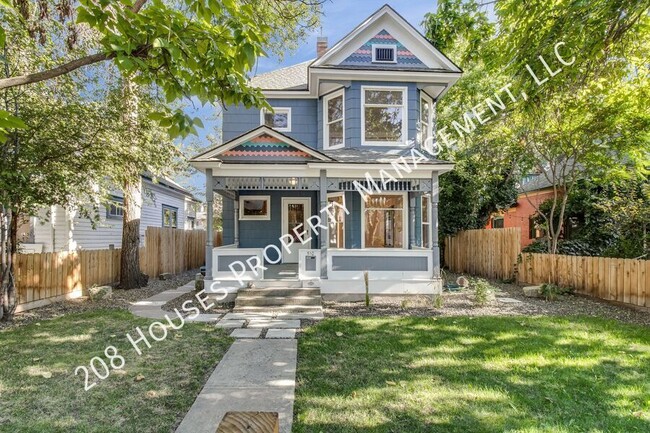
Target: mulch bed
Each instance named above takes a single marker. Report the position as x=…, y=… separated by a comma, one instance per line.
x=120, y=300
x=461, y=304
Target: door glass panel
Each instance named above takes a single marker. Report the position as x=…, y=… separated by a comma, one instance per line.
x=296, y=217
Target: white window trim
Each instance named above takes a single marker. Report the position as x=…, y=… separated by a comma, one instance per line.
x=430, y=126
x=263, y=111
x=243, y=217
x=326, y=123
x=405, y=116
x=404, y=222
x=342, y=195
x=374, y=53
x=425, y=210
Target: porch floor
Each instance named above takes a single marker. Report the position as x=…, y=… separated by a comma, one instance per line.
x=282, y=272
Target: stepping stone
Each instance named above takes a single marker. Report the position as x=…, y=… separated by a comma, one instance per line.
x=509, y=300
x=246, y=333
x=147, y=303
x=276, y=324
x=281, y=333
x=205, y=318
x=230, y=324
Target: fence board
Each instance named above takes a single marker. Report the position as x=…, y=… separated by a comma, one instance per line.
x=50, y=275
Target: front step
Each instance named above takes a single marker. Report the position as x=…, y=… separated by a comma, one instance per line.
x=281, y=299
x=264, y=284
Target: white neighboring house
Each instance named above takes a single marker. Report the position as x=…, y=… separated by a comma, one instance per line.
x=165, y=204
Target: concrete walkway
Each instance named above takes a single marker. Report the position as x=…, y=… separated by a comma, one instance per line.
x=257, y=375
x=254, y=375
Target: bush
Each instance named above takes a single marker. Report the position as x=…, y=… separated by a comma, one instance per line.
x=551, y=291
x=565, y=247
x=483, y=291
x=438, y=301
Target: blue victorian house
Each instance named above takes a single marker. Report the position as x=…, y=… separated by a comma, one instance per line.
x=334, y=182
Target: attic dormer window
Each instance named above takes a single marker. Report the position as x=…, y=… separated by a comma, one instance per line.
x=384, y=54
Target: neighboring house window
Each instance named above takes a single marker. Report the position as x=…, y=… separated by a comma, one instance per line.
x=278, y=119
x=534, y=231
x=384, y=221
x=169, y=216
x=497, y=222
x=255, y=207
x=384, y=53
x=426, y=119
x=426, y=221
x=384, y=116
x=334, y=122
x=337, y=224
x=191, y=222
x=115, y=209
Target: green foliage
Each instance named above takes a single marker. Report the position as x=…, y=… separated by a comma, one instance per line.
x=438, y=302
x=551, y=292
x=483, y=291
x=366, y=283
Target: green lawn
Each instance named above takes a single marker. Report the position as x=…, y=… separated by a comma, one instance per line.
x=489, y=374
x=150, y=394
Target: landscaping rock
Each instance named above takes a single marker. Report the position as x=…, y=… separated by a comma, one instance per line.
x=165, y=276
x=533, y=291
x=98, y=293
x=198, y=282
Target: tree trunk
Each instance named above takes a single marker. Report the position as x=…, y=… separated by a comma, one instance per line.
x=131, y=277
x=8, y=235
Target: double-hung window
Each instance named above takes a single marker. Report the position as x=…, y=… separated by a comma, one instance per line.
x=383, y=221
x=169, y=216
x=115, y=208
x=384, y=116
x=427, y=114
x=426, y=222
x=334, y=120
x=337, y=220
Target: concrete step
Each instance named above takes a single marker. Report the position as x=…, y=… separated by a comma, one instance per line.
x=290, y=309
x=278, y=291
x=277, y=283
x=250, y=301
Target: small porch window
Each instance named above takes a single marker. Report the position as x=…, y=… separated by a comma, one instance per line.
x=337, y=224
x=255, y=207
x=278, y=119
x=384, y=220
x=169, y=216
x=383, y=116
x=426, y=222
x=334, y=122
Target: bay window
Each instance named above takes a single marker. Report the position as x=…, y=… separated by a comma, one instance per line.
x=384, y=120
x=337, y=224
x=383, y=221
x=334, y=122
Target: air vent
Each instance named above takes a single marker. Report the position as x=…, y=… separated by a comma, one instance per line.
x=384, y=54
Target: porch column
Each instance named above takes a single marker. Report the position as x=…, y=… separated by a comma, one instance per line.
x=323, y=234
x=209, y=200
x=435, y=197
x=411, y=197
x=236, y=221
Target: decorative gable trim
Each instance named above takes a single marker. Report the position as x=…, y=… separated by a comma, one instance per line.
x=387, y=19
x=366, y=55
x=263, y=143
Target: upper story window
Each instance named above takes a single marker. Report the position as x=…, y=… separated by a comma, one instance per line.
x=169, y=216
x=384, y=53
x=384, y=116
x=115, y=209
x=334, y=122
x=279, y=119
x=427, y=115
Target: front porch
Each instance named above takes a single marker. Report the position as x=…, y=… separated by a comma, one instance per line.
x=327, y=217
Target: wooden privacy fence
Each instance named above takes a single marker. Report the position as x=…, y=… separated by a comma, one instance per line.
x=620, y=280
x=44, y=277
x=486, y=253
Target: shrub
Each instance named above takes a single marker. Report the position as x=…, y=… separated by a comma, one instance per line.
x=438, y=301
x=551, y=291
x=367, y=284
x=483, y=291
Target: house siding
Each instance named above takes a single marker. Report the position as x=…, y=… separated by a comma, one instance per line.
x=238, y=120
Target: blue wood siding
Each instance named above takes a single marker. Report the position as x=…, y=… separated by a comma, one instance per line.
x=238, y=120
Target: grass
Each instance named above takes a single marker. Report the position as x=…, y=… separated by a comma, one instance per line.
x=150, y=394
x=488, y=374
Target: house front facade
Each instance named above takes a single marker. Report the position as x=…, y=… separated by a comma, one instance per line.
x=335, y=181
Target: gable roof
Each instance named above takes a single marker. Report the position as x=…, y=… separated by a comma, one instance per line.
x=385, y=17
x=262, y=145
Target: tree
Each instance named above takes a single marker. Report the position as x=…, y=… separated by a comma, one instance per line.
x=592, y=120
